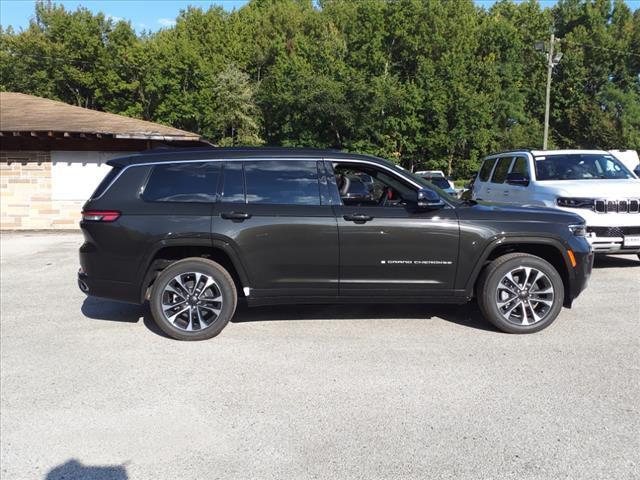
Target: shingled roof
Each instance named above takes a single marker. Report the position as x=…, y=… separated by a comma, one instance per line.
x=35, y=115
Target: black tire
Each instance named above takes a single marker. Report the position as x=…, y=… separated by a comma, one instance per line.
x=487, y=292
x=223, y=283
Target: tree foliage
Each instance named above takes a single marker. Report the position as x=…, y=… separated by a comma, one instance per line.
x=427, y=83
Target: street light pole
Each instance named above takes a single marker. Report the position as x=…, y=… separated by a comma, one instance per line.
x=548, y=95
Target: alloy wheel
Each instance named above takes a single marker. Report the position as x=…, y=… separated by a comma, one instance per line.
x=525, y=296
x=191, y=301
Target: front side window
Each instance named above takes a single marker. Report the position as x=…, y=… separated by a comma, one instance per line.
x=485, y=171
x=439, y=182
x=500, y=173
x=580, y=166
x=283, y=182
x=360, y=185
x=183, y=182
x=521, y=166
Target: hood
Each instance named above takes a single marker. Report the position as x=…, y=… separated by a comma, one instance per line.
x=620, y=188
x=488, y=210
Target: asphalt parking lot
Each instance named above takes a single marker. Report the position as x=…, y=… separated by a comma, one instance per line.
x=90, y=389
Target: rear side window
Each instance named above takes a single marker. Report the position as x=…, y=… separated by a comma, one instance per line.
x=485, y=171
x=106, y=181
x=183, y=182
x=287, y=182
x=500, y=173
x=521, y=166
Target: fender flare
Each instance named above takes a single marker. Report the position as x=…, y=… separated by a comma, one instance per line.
x=145, y=270
x=498, y=241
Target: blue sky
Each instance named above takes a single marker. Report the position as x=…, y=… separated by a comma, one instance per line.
x=147, y=14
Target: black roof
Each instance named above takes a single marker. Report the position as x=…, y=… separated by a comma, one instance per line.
x=218, y=153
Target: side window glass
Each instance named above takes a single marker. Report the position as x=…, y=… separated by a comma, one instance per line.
x=520, y=165
x=232, y=183
x=500, y=173
x=366, y=186
x=485, y=171
x=183, y=182
x=282, y=182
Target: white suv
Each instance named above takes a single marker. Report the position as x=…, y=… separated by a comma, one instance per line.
x=591, y=183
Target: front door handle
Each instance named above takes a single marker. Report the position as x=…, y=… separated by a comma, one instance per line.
x=237, y=216
x=357, y=218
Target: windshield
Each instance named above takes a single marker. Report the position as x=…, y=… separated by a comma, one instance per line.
x=580, y=166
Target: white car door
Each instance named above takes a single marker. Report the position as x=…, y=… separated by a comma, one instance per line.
x=481, y=183
x=498, y=190
x=519, y=194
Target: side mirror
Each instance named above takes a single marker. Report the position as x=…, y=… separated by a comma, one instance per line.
x=429, y=200
x=518, y=179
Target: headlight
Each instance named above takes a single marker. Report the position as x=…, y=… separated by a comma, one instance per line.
x=575, y=202
x=579, y=230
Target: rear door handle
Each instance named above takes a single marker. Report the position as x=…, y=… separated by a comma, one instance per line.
x=357, y=218
x=235, y=215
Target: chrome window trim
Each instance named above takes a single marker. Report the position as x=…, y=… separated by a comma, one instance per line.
x=252, y=159
x=204, y=160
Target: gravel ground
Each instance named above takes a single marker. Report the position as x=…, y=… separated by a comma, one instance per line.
x=90, y=389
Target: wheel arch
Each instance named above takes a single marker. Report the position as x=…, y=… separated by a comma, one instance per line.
x=549, y=249
x=169, y=251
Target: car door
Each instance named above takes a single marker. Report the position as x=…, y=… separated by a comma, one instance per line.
x=519, y=194
x=395, y=250
x=481, y=188
x=499, y=191
x=285, y=233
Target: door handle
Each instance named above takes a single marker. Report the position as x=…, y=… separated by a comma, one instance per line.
x=357, y=218
x=238, y=216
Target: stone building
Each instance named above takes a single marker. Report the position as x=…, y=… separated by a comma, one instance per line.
x=52, y=157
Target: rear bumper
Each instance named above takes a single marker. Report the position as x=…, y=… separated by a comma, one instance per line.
x=119, y=291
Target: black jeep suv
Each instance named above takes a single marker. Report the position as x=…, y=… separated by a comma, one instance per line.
x=192, y=230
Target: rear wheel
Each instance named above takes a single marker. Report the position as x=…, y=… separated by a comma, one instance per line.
x=520, y=293
x=193, y=299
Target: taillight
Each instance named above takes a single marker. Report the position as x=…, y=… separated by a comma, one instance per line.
x=100, y=216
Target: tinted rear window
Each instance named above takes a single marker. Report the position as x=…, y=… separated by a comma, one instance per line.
x=106, y=181
x=485, y=171
x=186, y=182
x=290, y=182
x=500, y=173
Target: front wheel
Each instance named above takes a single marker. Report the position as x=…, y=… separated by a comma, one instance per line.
x=520, y=293
x=193, y=299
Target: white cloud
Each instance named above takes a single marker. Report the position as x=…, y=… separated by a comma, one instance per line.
x=114, y=18
x=166, y=22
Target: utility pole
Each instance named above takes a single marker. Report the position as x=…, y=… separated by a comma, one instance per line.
x=552, y=61
x=547, y=107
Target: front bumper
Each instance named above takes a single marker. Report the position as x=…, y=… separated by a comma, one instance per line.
x=612, y=239
x=609, y=232
x=580, y=274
